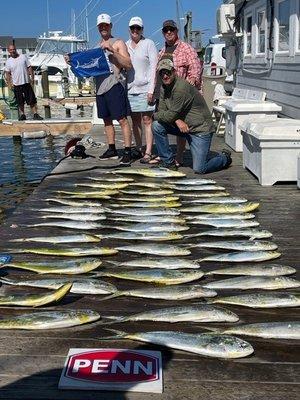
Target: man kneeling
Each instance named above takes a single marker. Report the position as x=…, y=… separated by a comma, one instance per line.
x=182, y=111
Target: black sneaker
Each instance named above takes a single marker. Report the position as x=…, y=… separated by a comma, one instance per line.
x=126, y=158
x=37, y=117
x=227, y=153
x=109, y=154
x=136, y=154
x=161, y=164
x=22, y=117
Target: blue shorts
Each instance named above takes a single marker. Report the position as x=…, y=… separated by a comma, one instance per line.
x=113, y=104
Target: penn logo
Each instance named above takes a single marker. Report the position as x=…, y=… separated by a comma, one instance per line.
x=118, y=366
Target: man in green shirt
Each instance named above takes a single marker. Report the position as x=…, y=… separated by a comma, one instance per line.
x=183, y=112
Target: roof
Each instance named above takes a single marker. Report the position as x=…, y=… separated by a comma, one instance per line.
x=5, y=41
x=25, y=43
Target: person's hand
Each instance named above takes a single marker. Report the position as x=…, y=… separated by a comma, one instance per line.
x=67, y=58
x=106, y=45
x=192, y=82
x=182, y=126
x=150, y=99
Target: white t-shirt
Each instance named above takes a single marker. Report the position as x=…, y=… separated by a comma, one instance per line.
x=18, y=67
x=141, y=78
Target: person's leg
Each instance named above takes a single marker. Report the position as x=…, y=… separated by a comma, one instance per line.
x=109, y=131
x=160, y=132
x=136, y=118
x=31, y=100
x=147, y=121
x=126, y=131
x=200, y=149
x=181, y=141
x=18, y=92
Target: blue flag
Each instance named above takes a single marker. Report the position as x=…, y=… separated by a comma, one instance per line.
x=89, y=63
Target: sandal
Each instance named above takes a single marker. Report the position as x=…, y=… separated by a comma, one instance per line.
x=154, y=160
x=146, y=159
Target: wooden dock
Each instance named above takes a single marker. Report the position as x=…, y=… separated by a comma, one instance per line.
x=31, y=362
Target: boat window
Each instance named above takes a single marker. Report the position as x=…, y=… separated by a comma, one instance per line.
x=248, y=35
x=283, y=21
x=208, y=55
x=261, y=30
x=224, y=52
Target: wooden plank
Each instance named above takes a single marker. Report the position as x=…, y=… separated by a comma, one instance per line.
x=16, y=129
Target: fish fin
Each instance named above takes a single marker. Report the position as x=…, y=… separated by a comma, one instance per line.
x=114, y=320
x=252, y=238
x=113, y=262
x=111, y=296
x=118, y=334
x=18, y=240
x=212, y=329
x=7, y=281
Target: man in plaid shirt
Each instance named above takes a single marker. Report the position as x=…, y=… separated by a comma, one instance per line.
x=187, y=66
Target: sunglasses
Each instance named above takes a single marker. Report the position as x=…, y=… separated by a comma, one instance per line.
x=137, y=27
x=167, y=29
x=163, y=72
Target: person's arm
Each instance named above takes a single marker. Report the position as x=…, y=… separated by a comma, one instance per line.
x=8, y=79
x=30, y=74
x=153, y=58
x=120, y=56
x=194, y=67
x=176, y=110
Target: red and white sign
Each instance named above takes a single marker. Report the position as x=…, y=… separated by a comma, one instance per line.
x=112, y=369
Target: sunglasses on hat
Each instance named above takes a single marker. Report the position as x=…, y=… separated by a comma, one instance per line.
x=137, y=27
x=168, y=28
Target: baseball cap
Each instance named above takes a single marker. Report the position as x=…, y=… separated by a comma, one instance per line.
x=165, y=64
x=136, y=21
x=170, y=22
x=103, y=19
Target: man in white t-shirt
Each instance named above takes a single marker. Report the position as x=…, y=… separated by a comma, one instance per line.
x=19, y=77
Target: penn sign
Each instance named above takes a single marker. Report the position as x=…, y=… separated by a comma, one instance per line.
x=112, y=369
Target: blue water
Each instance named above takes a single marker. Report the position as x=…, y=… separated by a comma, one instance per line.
x=24, y=162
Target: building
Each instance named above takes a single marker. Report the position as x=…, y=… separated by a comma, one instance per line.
x=23, y=45
x=266, y=44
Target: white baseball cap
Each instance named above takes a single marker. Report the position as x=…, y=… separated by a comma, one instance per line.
x=103, y=19
x=136, y=21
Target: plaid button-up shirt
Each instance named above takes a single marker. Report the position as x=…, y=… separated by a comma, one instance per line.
x=186, y=63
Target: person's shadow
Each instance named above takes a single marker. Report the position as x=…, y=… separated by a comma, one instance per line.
x=44, y=385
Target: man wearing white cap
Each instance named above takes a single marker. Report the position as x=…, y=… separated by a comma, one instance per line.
x=112, y=101
x=141, y=82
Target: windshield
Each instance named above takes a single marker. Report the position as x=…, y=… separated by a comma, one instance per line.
x=208, y=55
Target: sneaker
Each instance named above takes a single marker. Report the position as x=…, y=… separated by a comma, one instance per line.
x=227, y=153
x=109, y=154
x=136, y=154
x=37, y=117
x=126, y=158
x=161, y=164
x=22, y=117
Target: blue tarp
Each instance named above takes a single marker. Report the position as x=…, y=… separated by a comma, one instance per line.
x=89, y=63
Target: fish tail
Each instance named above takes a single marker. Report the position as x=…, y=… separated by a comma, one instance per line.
x=111, y=296
x=18, y=240
x=7, y=281
x=112, y=320
x=112, y=262
x=117, y=334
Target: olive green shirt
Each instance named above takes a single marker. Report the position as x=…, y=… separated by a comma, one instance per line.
x=180, y=100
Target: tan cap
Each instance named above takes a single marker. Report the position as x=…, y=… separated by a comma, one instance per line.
x=165, y=64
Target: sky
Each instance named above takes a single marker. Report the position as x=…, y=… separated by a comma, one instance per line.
x=29, y=18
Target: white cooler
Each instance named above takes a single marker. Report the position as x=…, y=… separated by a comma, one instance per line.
x=237, y=111
x=271, y=149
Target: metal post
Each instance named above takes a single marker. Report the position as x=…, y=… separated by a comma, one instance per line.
x=46, y=91
x=66, y=89
x=13, y=106
x=188, y=27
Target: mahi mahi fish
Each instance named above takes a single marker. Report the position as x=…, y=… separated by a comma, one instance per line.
x=159, y=276
x=151, y=228
x=268, y=330
x=261, y=300
x=148, y=199
x=74, y=210
x=49, y=319
x=196, y=182
x=75, y=217
x=87, y=193
x=244, y=256
x=75, y=203
x=217, y=200
x=82, y=238
x=69, y=225
x=156, y=249
x=109, y=186
x=167, y=263
x=195, y=313
x=67, y=267
x=173, y=292
x=144, y=211
x=144, y=192
x=254, y=282
x=213, y=217
x=151, y=172
x=155, y=236
x=145, y=204
x=243, y=245
x=255, y=270
x=222, y=208
x=35, y=300
x=113, y=179
x=226, y=223
x=69, y=252
x=247, y=232
x=206, y=344
x=79, y=285
x=200, y=188
x=199, y=195
x=157, y=219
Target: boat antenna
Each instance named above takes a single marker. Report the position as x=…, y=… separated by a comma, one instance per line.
x=48, y=19
x=87, y=23
x=178, y=18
